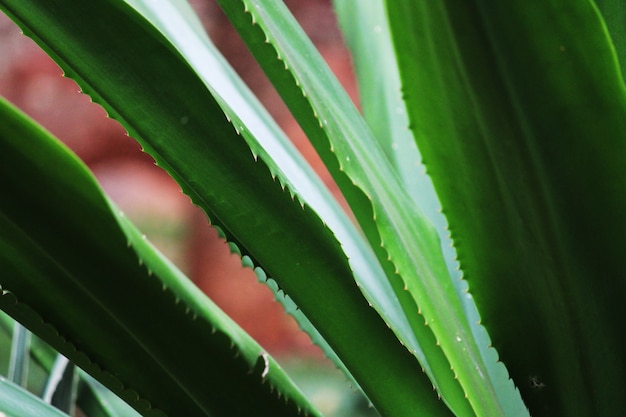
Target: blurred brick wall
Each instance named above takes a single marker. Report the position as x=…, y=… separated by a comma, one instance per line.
x=32, y=81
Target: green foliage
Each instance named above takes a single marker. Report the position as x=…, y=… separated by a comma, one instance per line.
x=538, y=141
x=518, y=111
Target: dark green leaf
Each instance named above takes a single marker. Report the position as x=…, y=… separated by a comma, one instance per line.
x=614, y=14
x=519, y=110
x=366, y=28
x=120, y=70
x=404, y=241
x=78, y=274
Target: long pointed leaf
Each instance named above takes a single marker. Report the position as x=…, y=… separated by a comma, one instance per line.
x=368, y=36
x=84, y=294
x=181, y=125
x=520, y=112
x=393, y=224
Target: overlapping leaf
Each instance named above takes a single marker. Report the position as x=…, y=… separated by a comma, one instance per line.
x=520, y=112
x=93, y=399
x=141, y=79
x=78, y=274
x=392, y=223
x=366, y=29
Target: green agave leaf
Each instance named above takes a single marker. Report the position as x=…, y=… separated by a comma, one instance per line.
x=305, y=325
x=83, y=294
x=178, y=23
x=17, y=402
x=384, y=209
x=181, y=125
x=520, y=113
x=367, y=35
x=614, y=14
x=366, y=32
x=270, y=145
x=366, y=29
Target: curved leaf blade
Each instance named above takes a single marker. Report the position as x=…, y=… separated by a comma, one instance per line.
x=520, y=110
x=366, y=30
x=404, y=242
x=614, y=14
x=270, y=145
x=83, y=296
x=181, y=125
x=368, y=36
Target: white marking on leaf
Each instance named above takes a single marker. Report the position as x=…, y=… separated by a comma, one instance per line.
x=266, y=369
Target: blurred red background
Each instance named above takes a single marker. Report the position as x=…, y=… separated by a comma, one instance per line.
x=29, y=79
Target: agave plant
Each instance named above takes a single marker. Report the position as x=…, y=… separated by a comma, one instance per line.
x=518, y=111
